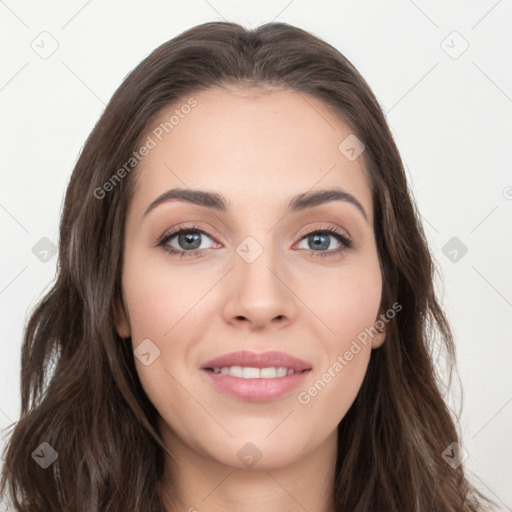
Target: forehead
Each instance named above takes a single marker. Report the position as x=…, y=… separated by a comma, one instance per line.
x=255, y=145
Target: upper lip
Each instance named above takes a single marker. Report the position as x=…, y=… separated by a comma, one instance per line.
x=258, y=360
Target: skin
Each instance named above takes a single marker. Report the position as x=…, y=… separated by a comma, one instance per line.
x=257, y=147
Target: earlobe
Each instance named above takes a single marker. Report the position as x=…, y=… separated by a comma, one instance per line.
x=379, y=339
x=380, y=326
x=121, y=319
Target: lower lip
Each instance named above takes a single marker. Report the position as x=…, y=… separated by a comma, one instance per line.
x=256, y=390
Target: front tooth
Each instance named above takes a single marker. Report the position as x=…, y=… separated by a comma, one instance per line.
x=282, y=371
x=251, y=373
x=236, y=371
x=267, y=373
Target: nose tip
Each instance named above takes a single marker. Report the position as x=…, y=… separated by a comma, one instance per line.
x=258, y=296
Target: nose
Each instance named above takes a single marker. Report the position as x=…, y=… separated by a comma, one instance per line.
x=259, y=292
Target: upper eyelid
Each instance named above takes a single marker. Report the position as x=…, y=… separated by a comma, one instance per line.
x=169, y=235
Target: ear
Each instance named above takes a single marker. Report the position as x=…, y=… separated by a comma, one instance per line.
x=121, y=319
x=379, y=338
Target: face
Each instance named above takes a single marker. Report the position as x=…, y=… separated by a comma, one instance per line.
x=256, y=275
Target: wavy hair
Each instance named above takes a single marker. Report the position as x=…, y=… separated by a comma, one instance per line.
x=80, y=391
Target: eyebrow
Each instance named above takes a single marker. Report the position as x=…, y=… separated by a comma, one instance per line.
x=218, y=202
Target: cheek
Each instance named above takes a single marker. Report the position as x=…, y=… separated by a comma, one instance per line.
x=347, y=303
x=157, y=298
x=160, y=303
x=348, y=308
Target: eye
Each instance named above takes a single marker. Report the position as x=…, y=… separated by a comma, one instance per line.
x=188, y=241
x=319, y=240
x=185, y=241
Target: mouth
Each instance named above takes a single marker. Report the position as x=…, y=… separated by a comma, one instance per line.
x=256, y=377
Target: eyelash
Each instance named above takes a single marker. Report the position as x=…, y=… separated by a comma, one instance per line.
x=162, y=242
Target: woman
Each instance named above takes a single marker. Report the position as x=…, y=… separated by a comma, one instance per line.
x=280, y=362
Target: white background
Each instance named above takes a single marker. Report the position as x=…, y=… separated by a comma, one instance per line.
x=451, y=118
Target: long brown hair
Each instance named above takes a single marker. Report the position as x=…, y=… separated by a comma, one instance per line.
x=80, y=391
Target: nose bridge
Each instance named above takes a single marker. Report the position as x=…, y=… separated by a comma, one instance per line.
x=259, y=291
x=258, y=248
x=256, y=265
